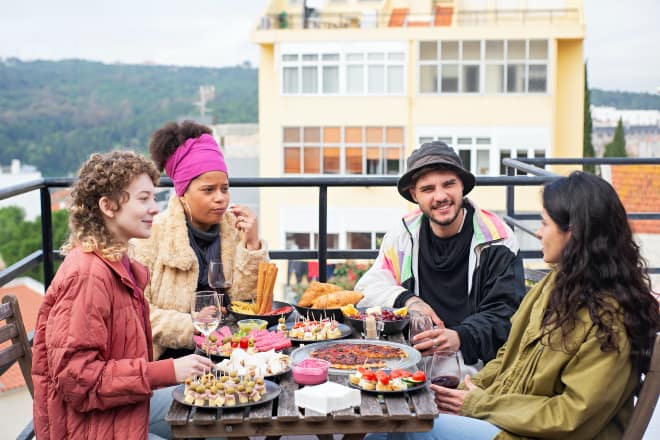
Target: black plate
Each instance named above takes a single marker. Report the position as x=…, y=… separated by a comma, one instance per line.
x=271, y=319
x=407, y=390
x=346, y=331
x=389, y=327
x=272, y=391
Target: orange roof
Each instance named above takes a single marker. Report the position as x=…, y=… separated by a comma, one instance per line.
x=638, y=187
x=29, y=302
x=398, y=17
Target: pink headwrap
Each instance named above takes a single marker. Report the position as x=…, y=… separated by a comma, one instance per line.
x=195, y=157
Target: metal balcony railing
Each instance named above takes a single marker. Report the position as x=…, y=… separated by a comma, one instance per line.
x=536, y=177
x=396, y=18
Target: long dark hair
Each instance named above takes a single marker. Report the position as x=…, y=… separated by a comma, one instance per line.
x=600, y=267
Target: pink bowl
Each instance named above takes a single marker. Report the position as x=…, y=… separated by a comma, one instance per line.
x=310, y=372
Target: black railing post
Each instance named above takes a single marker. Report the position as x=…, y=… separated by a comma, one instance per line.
x=47, y=236
x=323, y=233
x=510, y=195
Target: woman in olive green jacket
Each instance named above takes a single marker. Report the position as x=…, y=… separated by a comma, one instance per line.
x=579, y=340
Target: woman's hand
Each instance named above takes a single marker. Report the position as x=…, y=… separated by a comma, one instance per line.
x=437, y=339
x=191, y=365
x=450, y=401
x=246, y=221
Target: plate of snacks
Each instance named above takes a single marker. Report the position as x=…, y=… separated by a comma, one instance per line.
x=393, y=320
x=225, y=391
x=387, y=381
x=222, y=342
x=266, y=364
x=312, y=331
x=324, y=300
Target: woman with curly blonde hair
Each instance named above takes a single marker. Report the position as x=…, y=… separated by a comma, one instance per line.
x=92, y=367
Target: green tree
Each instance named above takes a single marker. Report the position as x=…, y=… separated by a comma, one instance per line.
x=22, y=237
x=617, y=148
x=587, y=146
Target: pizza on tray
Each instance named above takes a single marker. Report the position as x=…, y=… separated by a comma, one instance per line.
x=345, y=356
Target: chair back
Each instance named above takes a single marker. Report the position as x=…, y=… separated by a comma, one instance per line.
x=13, y=330
x=647, y=399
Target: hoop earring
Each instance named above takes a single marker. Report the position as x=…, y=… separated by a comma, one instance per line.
x=186, y=208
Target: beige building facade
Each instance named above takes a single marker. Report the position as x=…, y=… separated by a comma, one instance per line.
x=351, y=87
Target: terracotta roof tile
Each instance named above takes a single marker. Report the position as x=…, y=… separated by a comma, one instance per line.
x=638, y=187
x=29, y=302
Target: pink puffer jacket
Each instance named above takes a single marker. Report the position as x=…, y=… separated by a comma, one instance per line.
x=92, y=367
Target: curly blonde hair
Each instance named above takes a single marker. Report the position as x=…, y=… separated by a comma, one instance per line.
x=103, y=175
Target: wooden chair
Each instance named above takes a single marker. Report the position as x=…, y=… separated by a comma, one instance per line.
x=647, y=399
x=13, y=330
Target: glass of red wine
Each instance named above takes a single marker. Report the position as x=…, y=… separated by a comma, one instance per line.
x=445, y=369
x=220, y=279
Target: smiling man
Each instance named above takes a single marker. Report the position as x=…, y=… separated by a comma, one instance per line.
x=450, y=260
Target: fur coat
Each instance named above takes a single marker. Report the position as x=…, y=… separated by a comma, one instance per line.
x=174, y=272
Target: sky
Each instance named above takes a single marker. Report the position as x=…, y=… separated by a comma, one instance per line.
x=621, y=46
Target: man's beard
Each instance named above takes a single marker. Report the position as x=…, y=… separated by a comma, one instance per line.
x=448, y=222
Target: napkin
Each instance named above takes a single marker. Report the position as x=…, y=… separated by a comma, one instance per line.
x=327, y=397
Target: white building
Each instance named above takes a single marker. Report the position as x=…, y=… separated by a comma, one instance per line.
x=14, y=174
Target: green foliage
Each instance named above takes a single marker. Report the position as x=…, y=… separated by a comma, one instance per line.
x=617, y=148
x=53, y=115
x=22, y=237
x=587, y=146
x=625, y=100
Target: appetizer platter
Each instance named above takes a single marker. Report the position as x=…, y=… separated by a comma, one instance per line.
x=387, y=381
x=221, y=343
x=312, y=331
x=347, y=355
x=225, y=391
x=266, y=364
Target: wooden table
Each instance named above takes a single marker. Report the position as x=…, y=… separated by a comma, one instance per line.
x=407, y=412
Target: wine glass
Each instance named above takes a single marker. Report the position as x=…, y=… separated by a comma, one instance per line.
x=419, y=322
x=205, y=313
x=445, y=369
x=219, y=279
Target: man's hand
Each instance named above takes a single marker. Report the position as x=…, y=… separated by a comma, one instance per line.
x=450, y=401
x=415, y=304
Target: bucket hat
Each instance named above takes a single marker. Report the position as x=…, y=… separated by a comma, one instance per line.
x=429, y=155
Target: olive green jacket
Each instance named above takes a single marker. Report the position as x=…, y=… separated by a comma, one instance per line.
x=174, y=272
x=533, y=391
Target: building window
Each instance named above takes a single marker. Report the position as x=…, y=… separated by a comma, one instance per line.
x=489, y=66
x=349, y=72
x=343, y=150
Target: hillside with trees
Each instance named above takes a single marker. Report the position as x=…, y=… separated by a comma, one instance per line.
x=53, y=114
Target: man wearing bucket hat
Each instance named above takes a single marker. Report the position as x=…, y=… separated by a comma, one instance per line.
x=450, y=260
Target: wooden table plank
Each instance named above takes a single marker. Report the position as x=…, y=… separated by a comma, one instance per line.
x=232, y=415
x=397, y=407
x=424, y=404
x=204, y=416
x=177, y=414
x=286, y=405
x=261, y=413
x=370, y=407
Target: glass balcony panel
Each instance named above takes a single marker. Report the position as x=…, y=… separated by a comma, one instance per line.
x=494, y=78
x=355, y=79
x=331, y=79
x=449, y=81
x=376, y=82
x=310, y=81
x=538, y=78
x=470, y=79
x=395, y=79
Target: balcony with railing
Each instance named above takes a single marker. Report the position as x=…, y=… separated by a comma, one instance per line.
x=535, y=176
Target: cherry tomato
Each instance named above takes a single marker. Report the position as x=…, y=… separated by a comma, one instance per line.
x=419, y=376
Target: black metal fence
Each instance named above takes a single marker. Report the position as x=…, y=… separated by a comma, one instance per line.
x=536, y=177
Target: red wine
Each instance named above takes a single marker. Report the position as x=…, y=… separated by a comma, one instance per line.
x=448, y=381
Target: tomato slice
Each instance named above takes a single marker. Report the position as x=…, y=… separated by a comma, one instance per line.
x=362, y=370
x=405, y=373
x=369, y=375
x=396, y=373
x=419, y=376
